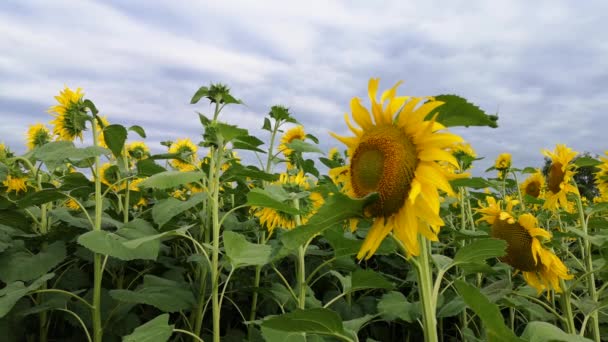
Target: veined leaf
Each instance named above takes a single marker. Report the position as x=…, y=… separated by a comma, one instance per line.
x=457, y=111
x=156, y=330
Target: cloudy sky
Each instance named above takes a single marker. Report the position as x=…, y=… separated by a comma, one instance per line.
x=543, y=66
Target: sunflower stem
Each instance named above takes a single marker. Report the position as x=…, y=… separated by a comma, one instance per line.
x=595, y=327
x=521, y=198
x=425, y=286
x=97, y=264
x=567, y=308
x=301, y=276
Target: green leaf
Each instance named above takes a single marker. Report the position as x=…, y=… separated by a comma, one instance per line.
x=139, y=130
x=248, y=142
x=24, y=266
x=238, y=170
x=117, y=244
x=474, y=183
x=230, y=132
x=267, y=126
x=11, y=293
x=115, y=137
x=335, y=210
x=147, y=168
x=480, y=250
x=202, y=91
x=488, y=312
x=546, y=332
x=164, y=294
x=40, y=197
x=54, y=153
x=302, y=146
x=156, y=330
x=171, y=179
x=394, y=305
x=3, y=172
x=368, y=279
x=586, y=161
x=312, y=321
x=268, y=199
x=164, y=210
x=241, y=252
x=354, y=325
x=457, y=111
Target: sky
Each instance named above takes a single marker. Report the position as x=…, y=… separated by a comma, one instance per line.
x=542, y=66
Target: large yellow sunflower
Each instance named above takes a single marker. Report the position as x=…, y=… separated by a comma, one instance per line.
x=533, y=185
x=601, y=177
x=560, y=175
x=70, y=116
x=188, y=150
x=540, y=267
x=273, y=218
x=399, y=155
x=37, y=135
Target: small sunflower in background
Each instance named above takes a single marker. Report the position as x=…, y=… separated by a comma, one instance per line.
x=289, y=136
x=465, y=154
x=37, y=135
x=399, y=154
x=540, y=267
x=15, y=181
x=187, y=150
x=108, y=174
x=559, y=178
x=294, y=183
x=503, y=164
x=138, y=150
x=534, y=185
x=70, y=115
x=601, y=177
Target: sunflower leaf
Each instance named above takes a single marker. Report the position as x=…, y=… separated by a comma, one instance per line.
x=156, y=330
x=480, y=250
x=171, y=179
x=115, y=137
x=457, y=111
x=546, y=332
x=244, y=253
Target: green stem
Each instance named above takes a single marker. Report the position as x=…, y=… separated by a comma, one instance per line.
x=301, y=266
x=595, y=325
x=97, y=267
x=425, y=285
x=521, y=198
x=567, y=308
x=186, y=332
x=215, y=277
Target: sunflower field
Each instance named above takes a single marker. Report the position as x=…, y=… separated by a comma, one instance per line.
x=387, y=237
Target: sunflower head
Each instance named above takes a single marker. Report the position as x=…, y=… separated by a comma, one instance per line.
x=400, y=154
x=503, y=161
x=70, y=115
x=15, y=182
x=533, y=185
x=291, y=183
x=601, y=177
x=465, y=154
x=108, y=174
x=561, y=172
x=37, y=135
x=138, y=150
x=187, y=151
x=540, y=267
x=289, y=136
x=5, y=152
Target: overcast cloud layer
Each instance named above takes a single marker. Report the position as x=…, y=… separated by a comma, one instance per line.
x=542, y=66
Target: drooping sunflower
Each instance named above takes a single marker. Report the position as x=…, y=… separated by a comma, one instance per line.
x=187, y=149
x=561, y=172
x=465, y=155
x=399, y=154
x=70, y=116
x=37, y=135
x=138, y=150
x=601, y=177
x=16, y=183
x=289, y=136
x=533, y=185
x=540, y=267
x=274, y=218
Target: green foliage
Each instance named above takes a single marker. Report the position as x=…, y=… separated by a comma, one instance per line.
x=155, y=330
x=457, y=111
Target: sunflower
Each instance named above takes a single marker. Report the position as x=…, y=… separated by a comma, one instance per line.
x=187, y=151
x=108, y=174
x=37, y=135
x=533, y=185
x=399, y=155
x=273, y=218
x=503, y=161
x=289, y=136
x=71, y=204
x=561, y=172
x=70, y=116
x=138, y=150
x=601, y=177
x=540, y=267
x=15, y=183
x=465, y=154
